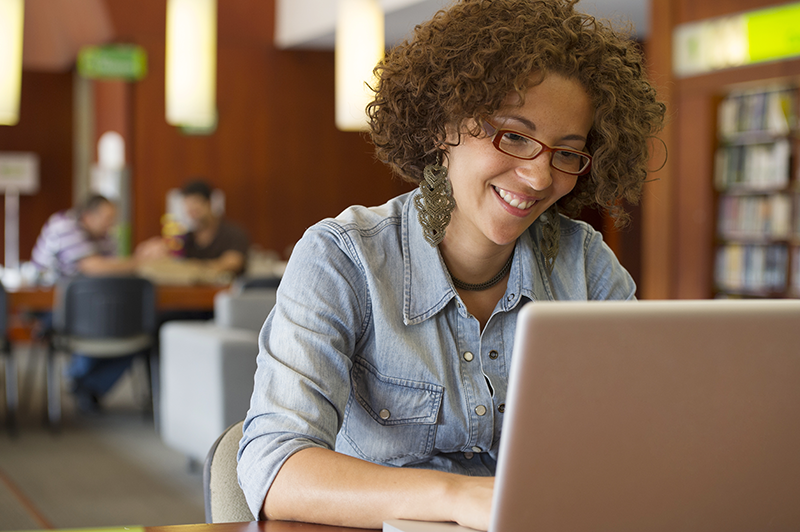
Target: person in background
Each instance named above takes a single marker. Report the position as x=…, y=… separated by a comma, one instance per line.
x=383, y=367
x=77, y=242
x=222, y=244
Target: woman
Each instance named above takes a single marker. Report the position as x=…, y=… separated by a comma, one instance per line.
x=391, y=338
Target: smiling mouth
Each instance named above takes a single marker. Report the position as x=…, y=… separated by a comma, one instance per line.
x=515, y=202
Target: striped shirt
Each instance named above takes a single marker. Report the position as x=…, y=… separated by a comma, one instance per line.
x=64, y=242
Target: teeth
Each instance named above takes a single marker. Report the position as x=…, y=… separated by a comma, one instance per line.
x=514, y=202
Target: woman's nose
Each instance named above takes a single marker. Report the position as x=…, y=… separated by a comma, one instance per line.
x=537, y=172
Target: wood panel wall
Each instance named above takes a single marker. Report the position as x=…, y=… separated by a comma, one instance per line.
x=44, y=127
x=276, y=152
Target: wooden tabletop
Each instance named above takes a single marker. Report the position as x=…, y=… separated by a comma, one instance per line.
x=23, y=302
x=255, y=526
x=168, y=297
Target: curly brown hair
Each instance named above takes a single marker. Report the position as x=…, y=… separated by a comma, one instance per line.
x=463, y=63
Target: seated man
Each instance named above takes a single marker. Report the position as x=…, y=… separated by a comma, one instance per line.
x=77, y=242
x=214, y=239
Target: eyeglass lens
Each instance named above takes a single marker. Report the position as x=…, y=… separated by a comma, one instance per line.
x=522, y=146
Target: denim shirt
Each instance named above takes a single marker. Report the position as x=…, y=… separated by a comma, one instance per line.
x=371, y=352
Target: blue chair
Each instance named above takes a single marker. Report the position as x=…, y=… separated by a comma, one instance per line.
x=99, y=317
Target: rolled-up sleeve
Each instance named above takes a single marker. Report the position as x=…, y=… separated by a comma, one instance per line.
x=587, y=269
x=607, y=278
x=302, y=382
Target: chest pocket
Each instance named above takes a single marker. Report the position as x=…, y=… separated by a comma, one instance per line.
x=389, y=420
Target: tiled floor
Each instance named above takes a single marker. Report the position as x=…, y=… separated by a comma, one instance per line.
x=108, y=469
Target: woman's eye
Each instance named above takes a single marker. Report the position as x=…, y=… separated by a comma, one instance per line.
x=514, y=138
x=567, y=155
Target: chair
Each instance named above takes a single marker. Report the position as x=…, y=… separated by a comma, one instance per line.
x=99, y=317
x=207, y=369
x=10, y=367
x=224, y=499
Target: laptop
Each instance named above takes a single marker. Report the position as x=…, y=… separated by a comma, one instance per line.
x=650, y=416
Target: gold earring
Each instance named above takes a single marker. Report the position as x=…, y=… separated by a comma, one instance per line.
x=434, y=203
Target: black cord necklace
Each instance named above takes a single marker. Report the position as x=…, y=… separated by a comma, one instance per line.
x=458, y=283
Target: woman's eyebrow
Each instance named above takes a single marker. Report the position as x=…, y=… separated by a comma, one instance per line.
x=532, y=127
x=521, y=119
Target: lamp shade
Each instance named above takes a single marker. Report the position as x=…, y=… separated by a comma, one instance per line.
x=359, y=47
x=191, y=63
x=11, y=20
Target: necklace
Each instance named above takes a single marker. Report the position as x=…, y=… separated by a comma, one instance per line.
x=458, y=283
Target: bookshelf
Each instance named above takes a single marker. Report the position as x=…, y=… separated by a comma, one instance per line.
x=757, y=194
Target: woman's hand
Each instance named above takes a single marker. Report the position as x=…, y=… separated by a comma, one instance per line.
x=152, y=249
x=471, y=501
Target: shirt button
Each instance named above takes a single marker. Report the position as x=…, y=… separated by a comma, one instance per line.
x=511, y=297
x=476, y=449
x=468, y=356
x=501, y=408
x=480, y=410
x=385, y=414
x=493, y=354
x=468, y=455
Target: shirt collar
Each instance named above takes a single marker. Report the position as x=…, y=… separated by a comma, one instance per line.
x=527, y=277
x=427, y=288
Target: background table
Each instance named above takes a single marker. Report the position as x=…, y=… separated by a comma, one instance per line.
x=255, y=526
x=168, y=298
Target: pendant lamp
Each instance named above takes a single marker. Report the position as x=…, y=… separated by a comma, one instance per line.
x=359, y=47
x=191, y=63
x=11, y=20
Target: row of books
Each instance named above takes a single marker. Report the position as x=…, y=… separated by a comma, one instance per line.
x=752, y=267
x=769, y=111
x=754, y=166
x=756, y=216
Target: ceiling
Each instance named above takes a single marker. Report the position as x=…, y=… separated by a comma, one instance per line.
x=310, y=24
x=55, y=30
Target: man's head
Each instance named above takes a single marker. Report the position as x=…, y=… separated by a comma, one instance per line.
x=97, y=215
x=197, y=202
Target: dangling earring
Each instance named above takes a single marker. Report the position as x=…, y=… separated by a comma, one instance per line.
x=551, y=233
x=434, y=203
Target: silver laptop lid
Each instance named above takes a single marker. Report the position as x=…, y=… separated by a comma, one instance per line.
x=652, y=415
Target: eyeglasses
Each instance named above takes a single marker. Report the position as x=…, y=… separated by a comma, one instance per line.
x=523, y=146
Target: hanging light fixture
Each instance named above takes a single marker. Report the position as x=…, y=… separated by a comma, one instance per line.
x=191, y=63
x=359, y=47
x=11, y=20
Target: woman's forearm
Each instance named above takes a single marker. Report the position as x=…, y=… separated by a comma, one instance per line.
x=322, y=486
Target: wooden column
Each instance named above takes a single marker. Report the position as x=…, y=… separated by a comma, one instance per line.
x=658, y=245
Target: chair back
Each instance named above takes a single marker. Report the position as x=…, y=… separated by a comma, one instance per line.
x=105, y=307
x=224, y=499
